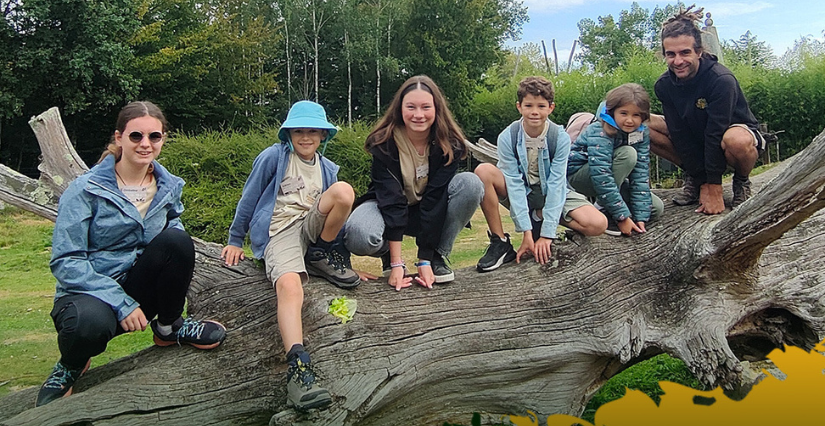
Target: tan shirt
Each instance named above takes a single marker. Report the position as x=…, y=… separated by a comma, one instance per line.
x=533, y=145
x=301, y=186
x=141, y=195
x=415, y=167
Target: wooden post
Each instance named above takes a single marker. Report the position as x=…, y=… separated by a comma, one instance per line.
x=546, y=61
x=555, y=57
x=570, y=59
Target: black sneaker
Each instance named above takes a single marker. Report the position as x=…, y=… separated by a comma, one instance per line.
x=332, y=265
x=689, y=194
x=301, y=390
x=498, y=253
x=200, y=334
x=442, y=272
x=741, y=190
x=59, y=383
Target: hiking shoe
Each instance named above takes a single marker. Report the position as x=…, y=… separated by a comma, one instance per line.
x=689, y=194
x=59, y=383
x=332, y=265
x=612, y=228
x=442, y=272
x=200, y=334
x=301, y=390
x=498, y=253
x=741, y=190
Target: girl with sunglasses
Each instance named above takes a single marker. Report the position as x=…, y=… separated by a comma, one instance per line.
x=120, y=255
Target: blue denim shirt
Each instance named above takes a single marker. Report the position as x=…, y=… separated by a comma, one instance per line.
x=99, y=233
x=552, y=174
x=254, y=211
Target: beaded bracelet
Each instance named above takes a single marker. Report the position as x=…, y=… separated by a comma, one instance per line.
x=423, y=263
x=397, y=264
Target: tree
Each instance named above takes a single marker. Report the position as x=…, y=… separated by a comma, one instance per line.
x=709, y=290
x=609, y=43
x=748, y=51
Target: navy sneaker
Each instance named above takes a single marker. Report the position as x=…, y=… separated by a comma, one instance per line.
x=59, y=383
x=498, y=253
x=443, y=273
x=200, y=334
x=301, y=390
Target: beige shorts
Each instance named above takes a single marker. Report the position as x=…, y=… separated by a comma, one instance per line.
x=285, y=251
x=758, y=140
x=535, y=201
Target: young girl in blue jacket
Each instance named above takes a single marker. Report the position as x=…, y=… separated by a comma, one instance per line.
x=120, y=255
x=610, y=161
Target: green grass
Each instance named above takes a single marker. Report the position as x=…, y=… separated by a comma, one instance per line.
x=28, y=343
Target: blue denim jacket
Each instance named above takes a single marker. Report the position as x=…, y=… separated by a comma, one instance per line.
x=552, y=174
x=99, y=233
x=254, y=211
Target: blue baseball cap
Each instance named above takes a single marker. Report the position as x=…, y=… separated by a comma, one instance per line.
x=308, y=115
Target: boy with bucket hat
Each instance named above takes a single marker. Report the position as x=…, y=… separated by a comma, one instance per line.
x=293, y=207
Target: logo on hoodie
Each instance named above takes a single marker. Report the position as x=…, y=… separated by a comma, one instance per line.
x=701, y=103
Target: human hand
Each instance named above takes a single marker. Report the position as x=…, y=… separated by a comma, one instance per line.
x=542, y=250
x=425, y=277
x=398, y=280
x=136, y=320
x=710, y=199
x=627, y=226
x=526, y=245
x=232, y=254
x=365, y=276
x=641, y=226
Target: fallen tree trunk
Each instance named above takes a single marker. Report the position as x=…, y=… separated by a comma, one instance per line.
x=710, y=290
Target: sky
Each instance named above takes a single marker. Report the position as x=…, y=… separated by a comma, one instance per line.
x=779, y=23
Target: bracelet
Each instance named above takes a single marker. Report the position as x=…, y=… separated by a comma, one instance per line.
x=423, y=263
x=397, y=265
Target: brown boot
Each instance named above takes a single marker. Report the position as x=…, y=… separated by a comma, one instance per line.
x=689, y=194
x=741, y=190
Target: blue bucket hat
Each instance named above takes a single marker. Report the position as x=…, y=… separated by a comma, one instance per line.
x=309, y=115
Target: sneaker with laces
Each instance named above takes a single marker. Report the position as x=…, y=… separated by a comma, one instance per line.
x=442, y=272
x=332, y=265
x=302, y=392
x=498, y=253
x=202, y=334
x=689, y=194
x=59, y=383
x=741, y=190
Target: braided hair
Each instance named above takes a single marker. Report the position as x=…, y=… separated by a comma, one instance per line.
x=684, y=23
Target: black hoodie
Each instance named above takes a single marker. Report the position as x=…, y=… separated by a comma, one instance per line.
x=698, y=112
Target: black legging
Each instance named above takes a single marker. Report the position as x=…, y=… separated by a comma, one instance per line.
x=158, y=281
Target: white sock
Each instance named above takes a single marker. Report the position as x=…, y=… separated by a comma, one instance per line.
x=164, y=329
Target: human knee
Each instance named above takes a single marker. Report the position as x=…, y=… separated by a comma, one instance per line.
x=361, y=241
x=467, y=186
x=178, y=244
x=289, y=286
x=87, y=324
x=738, y=142
x=625, y=155
x=487, y=173
x=342, y=193
x=592, y=221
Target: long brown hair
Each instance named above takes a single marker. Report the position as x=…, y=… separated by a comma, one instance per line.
x=445, y=131
x=131, y=111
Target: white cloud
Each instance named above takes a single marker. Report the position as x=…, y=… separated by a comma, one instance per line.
x=726, y=10
x=544, y=6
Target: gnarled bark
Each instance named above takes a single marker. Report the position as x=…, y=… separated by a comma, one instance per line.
x=710, y=290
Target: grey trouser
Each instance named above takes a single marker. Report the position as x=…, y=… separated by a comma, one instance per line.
x=365, y=226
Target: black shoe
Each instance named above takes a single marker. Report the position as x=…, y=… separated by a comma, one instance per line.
x=200, y=334
x=59, y=383
x=301, y=390
x=332, y=265
x=498, y=253
x=741, y=190
x=612, y=227
x=442, y=272
x=689, y=194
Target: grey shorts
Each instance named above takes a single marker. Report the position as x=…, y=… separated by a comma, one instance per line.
x=285, y=250
x=535, y=201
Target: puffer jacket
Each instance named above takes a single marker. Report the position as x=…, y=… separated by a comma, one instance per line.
x=99, y=233
x=595, y=148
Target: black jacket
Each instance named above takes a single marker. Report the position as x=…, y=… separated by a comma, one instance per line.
x=698, y=112
x=425, y=220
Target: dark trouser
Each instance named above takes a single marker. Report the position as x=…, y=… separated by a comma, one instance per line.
x=158, y=281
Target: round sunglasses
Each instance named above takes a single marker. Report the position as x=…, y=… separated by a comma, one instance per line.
x=154, y=137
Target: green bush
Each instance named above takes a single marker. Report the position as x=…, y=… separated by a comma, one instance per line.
x=215, y=166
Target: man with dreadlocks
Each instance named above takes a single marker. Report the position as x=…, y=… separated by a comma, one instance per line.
x=707, y=122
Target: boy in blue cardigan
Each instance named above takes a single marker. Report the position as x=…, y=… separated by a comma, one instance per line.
x=293, y=208
x=530, y=180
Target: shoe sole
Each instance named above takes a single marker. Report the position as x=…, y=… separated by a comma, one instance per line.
x=613, y=233
x=441, y=279
x=684, y=203
x=312, y=404
x=505, y=258
x=311, y=270
x=164, y=343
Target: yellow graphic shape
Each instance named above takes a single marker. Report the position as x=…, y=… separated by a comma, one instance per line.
x=792, y=401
